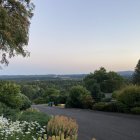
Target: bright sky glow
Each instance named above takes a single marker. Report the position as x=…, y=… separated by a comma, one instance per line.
x=79, y=36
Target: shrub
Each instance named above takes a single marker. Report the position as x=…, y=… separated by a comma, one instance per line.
x=130, y=96
x=111, y=107
x=33, y=115
x=63, y=127
x=79, y=97
x=39, y=100
x=9, y=112
x=99, y=106
x=116, y=107
x=87, y=101
x=26, y=103
x=114, y=94
x=135, y=110
x=11, y=96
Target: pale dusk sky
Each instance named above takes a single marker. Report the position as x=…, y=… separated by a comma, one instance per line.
x=79, y=36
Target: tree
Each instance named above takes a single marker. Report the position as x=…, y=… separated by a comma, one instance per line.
x=91, y=84
x=100, y=75
x=136, y=75
x=15, y=18
x=102, y=82
x=112, y=83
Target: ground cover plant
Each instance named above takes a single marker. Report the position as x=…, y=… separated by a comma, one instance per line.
x=34, y=115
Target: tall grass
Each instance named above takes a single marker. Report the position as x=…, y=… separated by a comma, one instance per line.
x=62, y=127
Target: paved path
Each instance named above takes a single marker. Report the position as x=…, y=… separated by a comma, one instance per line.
x=100, y=125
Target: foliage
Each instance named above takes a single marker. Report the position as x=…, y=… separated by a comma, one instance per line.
x=116, y=107
x=11, y=96
x=63, y=127
x=39, y=100
x=92, y=85
x=87, y=101
x=38, y=91
x=79, y=97
x=135, y=110
x=30, y=91
x=15, y=18
x=136, y=75
x=130, y=96
x=99, y=106
x=111, y=107
x=9, y=112
x=21, y=130
x=102, y=81
x=52, y=95
x=33, y=115
x=114, y=94
x=26, y=103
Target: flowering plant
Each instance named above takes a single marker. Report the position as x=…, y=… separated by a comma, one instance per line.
x=20, y=130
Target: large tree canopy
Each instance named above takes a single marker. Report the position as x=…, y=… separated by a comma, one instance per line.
x=15, y=18
x=102, y=81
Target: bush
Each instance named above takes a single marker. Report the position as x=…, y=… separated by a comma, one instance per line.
x=99, y=106
x=111, y=107
x=9, y=112
x=26, y=103
x=11, y=96
x=114, y=94
x=87, y=101
x=39, y=100
x=116, y=107
x=135, y=110
x=63, y=127
x=33, y=115
x=130, y=96
x=79, y=97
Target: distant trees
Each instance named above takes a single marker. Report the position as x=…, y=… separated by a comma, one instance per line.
x=15, y=18
x=32, y=91
x=136, y=76
x=51, y=95
x=102, y=81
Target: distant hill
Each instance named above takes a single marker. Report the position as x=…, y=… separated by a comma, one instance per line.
x=42, y=77
x=126, y=74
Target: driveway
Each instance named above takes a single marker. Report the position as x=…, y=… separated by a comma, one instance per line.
x=100, y=125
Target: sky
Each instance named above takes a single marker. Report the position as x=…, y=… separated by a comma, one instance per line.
x=80, y=36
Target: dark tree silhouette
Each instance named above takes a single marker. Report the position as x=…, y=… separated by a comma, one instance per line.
x=136, y=75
